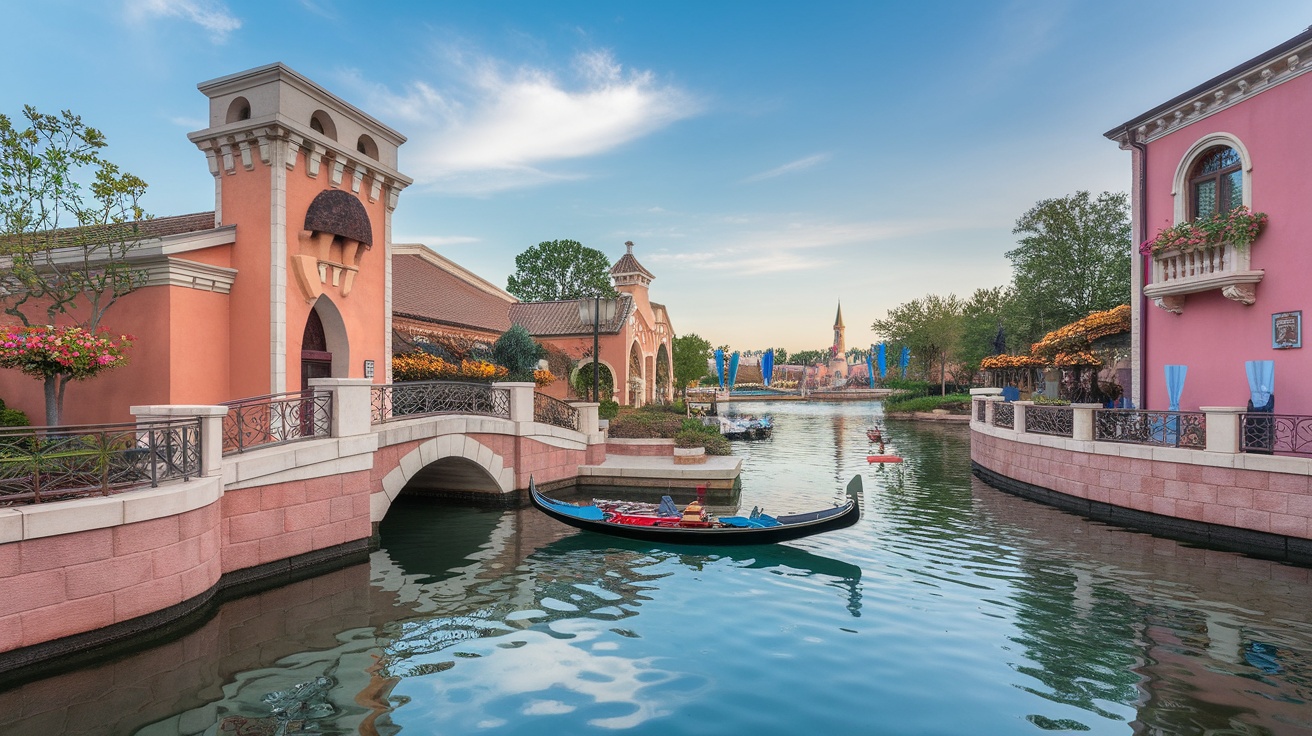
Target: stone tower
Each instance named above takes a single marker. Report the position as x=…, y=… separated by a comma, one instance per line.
x=838, y=353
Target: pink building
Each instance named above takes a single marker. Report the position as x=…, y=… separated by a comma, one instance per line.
x=1238, y=139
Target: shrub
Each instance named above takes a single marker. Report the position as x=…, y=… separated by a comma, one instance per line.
x=952, y=402
x=645, y=425
x=713, y=441
x=1045, y=401
x=13, y=418
x=608, y=409
x=516, y=350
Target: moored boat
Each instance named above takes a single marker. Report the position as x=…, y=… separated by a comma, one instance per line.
x=694, y=526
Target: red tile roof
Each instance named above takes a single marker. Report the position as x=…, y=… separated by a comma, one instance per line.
x=159, y=227
x=546, y=319
x=424, y=291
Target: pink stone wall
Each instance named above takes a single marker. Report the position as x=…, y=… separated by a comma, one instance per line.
x=661, y=450
x=1277, y=503
x=275, y=522
x=1214, y=335
x=54, y=587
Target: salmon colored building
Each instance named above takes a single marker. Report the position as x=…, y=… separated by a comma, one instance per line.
x=434, y=298
x=287, y=279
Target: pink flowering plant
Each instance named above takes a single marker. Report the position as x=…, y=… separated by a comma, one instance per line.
x=1238, y=228
x=59, y=355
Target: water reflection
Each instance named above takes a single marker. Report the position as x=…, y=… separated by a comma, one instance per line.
x=950, y=608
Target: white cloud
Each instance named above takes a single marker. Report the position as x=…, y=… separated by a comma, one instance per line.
x=790, y=167
x=800, y=245
x=500, y=129
x=189, y=123
x=212, y=15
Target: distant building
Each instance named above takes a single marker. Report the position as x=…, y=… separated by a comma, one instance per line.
x=436, y=299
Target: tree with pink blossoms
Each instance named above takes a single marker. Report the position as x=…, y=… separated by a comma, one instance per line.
x=59, y=355
x=69, y=221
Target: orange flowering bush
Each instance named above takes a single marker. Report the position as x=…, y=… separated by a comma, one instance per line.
x=421, y=366
x=1077, y=336
x=1068, y=360
x=1007, y=362
x=543, y=378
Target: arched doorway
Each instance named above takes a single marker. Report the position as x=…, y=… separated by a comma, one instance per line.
x=635, y=375
x=316, y=361
x=663, y=387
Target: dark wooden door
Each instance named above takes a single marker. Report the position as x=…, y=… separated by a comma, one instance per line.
x=316, y=361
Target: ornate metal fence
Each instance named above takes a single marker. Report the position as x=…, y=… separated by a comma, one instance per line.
x=1004, y=415
x=1260, y=432
x=979, y=410
x=1162, y=428
x=394, y=401
x=1054, y=420
x=40, y=464
x=549, y=410
x=276, y=419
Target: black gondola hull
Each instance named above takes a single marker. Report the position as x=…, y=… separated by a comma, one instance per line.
x=839, y=517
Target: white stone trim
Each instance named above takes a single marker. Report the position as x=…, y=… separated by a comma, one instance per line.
x=1222, y=96
x=439, y=448
x=35, y=521
x=278, y=270
x=188, y=275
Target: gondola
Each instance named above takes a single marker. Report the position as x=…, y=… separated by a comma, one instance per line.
x=754, y=529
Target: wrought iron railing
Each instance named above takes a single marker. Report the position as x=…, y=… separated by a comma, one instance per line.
x=1140, y=427
x=979, y=410
x=1004, y=415
x=395, y=401
x=1053, y=420
x=39, y=464
x=550, y=410
x=1260, y=432
x=276, y=419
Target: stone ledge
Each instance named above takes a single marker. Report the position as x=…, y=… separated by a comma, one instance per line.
x=54, y=518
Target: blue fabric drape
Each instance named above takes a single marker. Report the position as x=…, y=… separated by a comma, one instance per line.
x=1175, y=384
x=882, y=358
x=719, y=366
x=733, y=369
x=870, y=370
x=1261, y=380
x=767, y=366
x=904, y=361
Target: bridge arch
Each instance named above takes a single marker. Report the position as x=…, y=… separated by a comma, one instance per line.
x=452, y=462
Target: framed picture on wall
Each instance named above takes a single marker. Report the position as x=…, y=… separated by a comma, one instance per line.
x=1287, y=330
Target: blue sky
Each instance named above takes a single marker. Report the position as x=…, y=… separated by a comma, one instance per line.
x=768, y=159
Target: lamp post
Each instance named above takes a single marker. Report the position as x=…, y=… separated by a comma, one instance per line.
x=601, y=310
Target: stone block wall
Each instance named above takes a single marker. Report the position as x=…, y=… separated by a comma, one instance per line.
x=62, y=585
x=1256, y=500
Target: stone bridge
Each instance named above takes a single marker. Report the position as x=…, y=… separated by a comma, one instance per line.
x=78, y=574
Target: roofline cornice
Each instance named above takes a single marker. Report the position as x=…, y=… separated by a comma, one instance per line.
x=280, y=71
x=1271, y=68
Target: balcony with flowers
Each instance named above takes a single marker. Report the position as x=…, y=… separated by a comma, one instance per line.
x=1207, y=254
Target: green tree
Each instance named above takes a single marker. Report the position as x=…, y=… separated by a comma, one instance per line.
x=780, y=356
x=554, y=270
x=983, y=316
x=809, y=357
x=68, y=220
x=1073, y=258
x=931, y=326
x=517, y=351
x=690, y=353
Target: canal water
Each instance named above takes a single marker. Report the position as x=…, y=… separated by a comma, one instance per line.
x=951, y=608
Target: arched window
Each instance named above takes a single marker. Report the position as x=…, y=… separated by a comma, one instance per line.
x=1216, y=182
x=239, y=110
x=367, y=146
x=320, y=122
